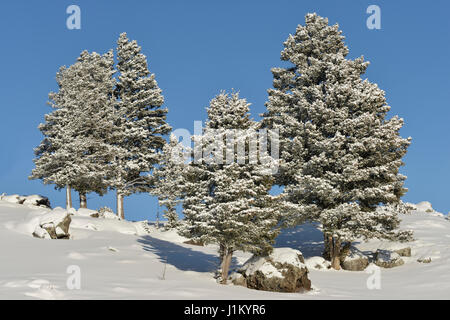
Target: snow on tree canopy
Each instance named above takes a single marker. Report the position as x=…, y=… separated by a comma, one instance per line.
x=75, y=151
x=228, y=203
x=340, y=154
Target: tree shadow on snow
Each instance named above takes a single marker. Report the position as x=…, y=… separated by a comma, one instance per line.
x=307, y=238
x=180, y=257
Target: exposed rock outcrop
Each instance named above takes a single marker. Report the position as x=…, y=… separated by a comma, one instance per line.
x=284, y=270
x=53, y=225
x=388, y=259
x=34, y=200
x=354, y=261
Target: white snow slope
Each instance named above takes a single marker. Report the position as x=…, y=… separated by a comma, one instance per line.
x=120, y=260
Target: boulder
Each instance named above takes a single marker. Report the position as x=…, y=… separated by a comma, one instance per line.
x=41, y=233
x=15, y=198
x=107, y=213
x=317, y=263
x=399, y=247
x=404, y=252
x=424, y=260
x=36, y=200
x=355, y=260
x=284, y=270
x=424, y=206
x=87, y=213
x=388, y=259
x=238, y=279
x=55, y=224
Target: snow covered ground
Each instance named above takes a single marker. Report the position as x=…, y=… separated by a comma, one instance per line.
x=122, y=260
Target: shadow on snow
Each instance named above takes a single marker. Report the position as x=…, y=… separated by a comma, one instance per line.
x=307, y=238
x=182, y=258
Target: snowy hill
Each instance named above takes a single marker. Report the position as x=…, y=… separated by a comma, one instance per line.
x=127, y=260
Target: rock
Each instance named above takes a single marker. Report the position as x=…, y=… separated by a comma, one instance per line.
x=424, y=260
x=36, y=200
x=55, y=223
x=71, y=211
x=424, y=206
x=283, y=270
x=107, y=213
x=388, y=259
x=404, y=252
x=87, y=213
x=41, y=233
x=318, y=263
x=355, y=261
x=399, y=247
x=15, y=198
x=238, y=279
x=50, y=228
x=194, y=243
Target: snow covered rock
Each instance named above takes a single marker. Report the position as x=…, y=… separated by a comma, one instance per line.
x=15, y=198
x=87, y=213
x=41, y=233
x=424, y=206
x=355, y=260
x=107, y=213
x=34, y=200
x=388, y=259
x=404, y=252
x=238, y=279
x=317, y=263
x=284, y=270
x=401, y=248
x=53, y=225
x=37, y=200
x=424, y=260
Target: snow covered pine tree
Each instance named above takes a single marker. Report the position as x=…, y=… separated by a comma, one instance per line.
x=140, y=122
x=340, y=156
x=226, y=196
x=74, y=152
x=168, y=178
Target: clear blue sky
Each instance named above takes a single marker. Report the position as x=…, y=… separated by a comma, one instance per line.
x=196, y=48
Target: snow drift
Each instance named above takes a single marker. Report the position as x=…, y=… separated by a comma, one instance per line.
x=133, y=260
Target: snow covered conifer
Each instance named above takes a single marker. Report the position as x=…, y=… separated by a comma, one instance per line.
x=226, y=200
x=340, y=155
x=169, y=178
x=75, y=149
x=140, y=122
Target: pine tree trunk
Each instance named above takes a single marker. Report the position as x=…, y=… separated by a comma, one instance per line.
x=332, y=251
x=227, y=255
x=120, y=211
x=68, y=197
x=83, y=200
x=336, y=254
x=328, y=243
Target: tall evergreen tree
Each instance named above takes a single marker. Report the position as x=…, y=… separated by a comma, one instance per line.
x=74, y=151
x=168, y=179
x=226, y=196
x=140, y=121
x=340, y=154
